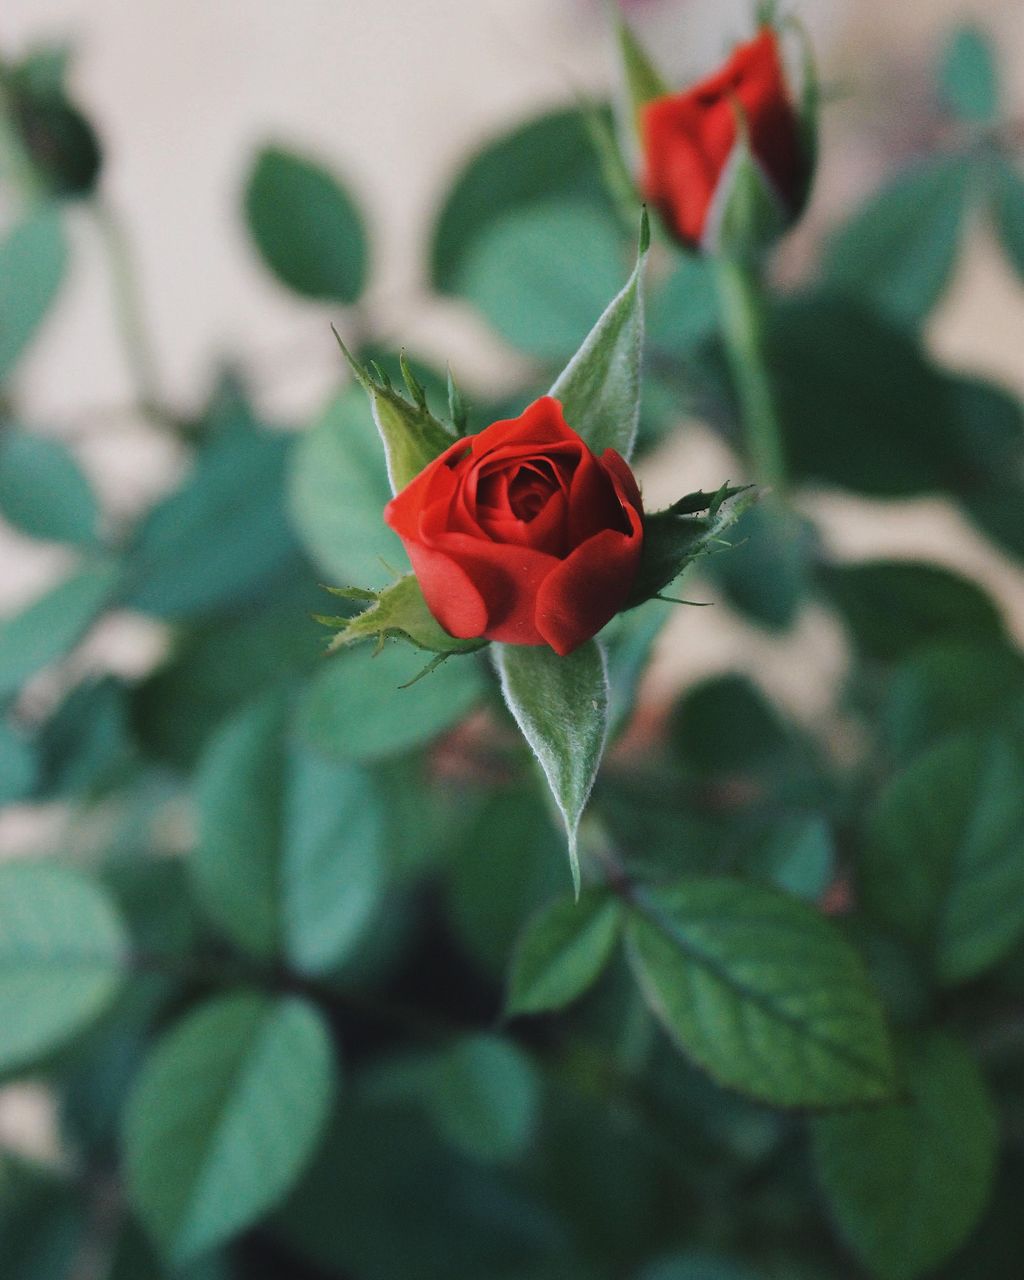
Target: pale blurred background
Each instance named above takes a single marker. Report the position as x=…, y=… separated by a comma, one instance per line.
x=395, y=95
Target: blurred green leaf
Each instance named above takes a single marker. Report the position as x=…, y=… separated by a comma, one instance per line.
x=224, y=1117
x=19, y=765
x=1008, y=209
x=898, y=252
x=561, y=706
x=43, y=1222
x=33, y=263
x=725, y=724
x=459, y=1218
x=542, y=273
x=306, y=226
x=562, y=952
x=797, y=855
x=337, y=492
x=61, y=143
x=483, y=1097
x=642, y=80
x=892, y=607
x=504, y=865
x=968, y=78
x=547, y=158
x=43, y=491
x=683, y=309
x=766, y=573
x=946, y=687
x=219, y=539
x=908, y=1181
x=860, y=405
x=698, y=1266
x=86, y=744
x=631, y=639
x=222, y=664
x=54, y=623
x=761, y=992
x=600, y=388
x=289, y=853
x=943, y=866
x=355, y=707
x=62, y=954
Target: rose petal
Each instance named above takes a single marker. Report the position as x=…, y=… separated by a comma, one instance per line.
x=589, y=587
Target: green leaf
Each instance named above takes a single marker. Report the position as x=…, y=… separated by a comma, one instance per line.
x=480, y=1092
x=947, y=687
x=631, y=639
x=761, y=992
x=726, y=725
x=411, y=435
x=399, y=611
x=19, y=765
x=337, y=490
x=683, y=309
x=43, y=491
x=897, y=253
x=223, y=536
x=861, y=406
x=355, y=707
x=33, y=263
x=561, y=706
x=968, y=79
x=943, y=866
x=698, y=1266
x=892, y=607
x=86, y=744
x=600, y=387
x=642, y=80
x=306, y=226
x=504, y=865
x=1008, y=211
x=222, y=665
x=62, y=954
x=54, y=623
x=797, y=855
x=908, y=1181
x=682, y=533
x=226, y=1114
x=485, y=1099
x=290, y=845
x=767, y=573
x=562, y=952
x=544, y=159
x=541, y=273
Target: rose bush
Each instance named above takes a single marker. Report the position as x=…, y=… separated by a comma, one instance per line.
x=689, y=139
x=522, y=534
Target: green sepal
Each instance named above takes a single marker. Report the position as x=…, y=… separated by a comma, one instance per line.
x=688, y=529
x=398, y=611
x=747, y=214
x=411, y=435
x=642, y=80
x=600, y=387
x=808, y=109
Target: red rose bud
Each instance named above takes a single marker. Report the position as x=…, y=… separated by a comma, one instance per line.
x=727, y=158
x=521, y=534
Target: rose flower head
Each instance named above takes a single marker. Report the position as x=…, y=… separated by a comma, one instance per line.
x=737, y=127
x=521, y=534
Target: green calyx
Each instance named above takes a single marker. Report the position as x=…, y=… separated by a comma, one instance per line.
x=398, y=611
x=682, y=533
x=412, y=436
